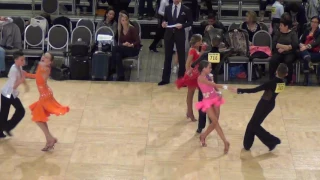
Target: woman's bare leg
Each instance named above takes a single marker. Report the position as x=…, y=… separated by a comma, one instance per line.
x=50, y=139
x=190, y=103
x=215, y=125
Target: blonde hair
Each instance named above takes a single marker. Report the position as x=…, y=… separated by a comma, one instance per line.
x=195, y=38
x=252, y=16
x=121, y=15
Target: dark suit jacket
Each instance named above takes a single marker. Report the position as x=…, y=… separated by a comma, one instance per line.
x=184, y=18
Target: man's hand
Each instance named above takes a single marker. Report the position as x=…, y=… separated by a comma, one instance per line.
x=280, y=50
x=178, y=26
x=26, y=87
x=164, y=24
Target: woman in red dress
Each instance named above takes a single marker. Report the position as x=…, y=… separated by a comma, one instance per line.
x=46, y=104
x=191, y=75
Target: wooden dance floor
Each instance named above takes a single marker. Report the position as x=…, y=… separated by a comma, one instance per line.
x=138, y=131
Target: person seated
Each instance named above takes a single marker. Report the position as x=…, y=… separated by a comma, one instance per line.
x=10, y=35
x=285, y=44
x=109, y=21
x=128, y=44
x=10, y=38
x=298, y=16
x=251, y=25
x=309, y=48
x=212, y=22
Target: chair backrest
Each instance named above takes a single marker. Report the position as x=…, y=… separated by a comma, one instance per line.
x=263, y=26
x=81, y=32
x=50, y=6
x=20, y=23
x=64, y=21
x=137, y=26
x=262, y=38
x=234, y=26
x=105, y=31
x=58, y=37
x=33, y=37
x=87, y=23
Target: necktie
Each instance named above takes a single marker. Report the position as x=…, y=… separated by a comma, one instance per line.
x=175, y=13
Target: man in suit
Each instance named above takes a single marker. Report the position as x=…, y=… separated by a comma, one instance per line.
x=180, y=16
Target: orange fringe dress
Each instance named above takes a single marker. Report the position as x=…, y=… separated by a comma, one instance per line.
x=46, y=104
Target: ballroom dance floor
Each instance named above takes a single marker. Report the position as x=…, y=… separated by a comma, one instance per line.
x=138, y=131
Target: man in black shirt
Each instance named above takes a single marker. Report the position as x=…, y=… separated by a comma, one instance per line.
x=266, y=104
x=214, y=22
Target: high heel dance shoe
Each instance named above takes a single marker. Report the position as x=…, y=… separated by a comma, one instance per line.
x=192, y=118
x=49, y=147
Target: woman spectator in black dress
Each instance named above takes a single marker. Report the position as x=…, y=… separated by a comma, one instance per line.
x=251, y=25
x=284, y=45
x=109, y=20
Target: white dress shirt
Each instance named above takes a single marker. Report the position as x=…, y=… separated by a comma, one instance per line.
x=14, y=75
x=277, y=10
x=178, y=9
x=162, y=7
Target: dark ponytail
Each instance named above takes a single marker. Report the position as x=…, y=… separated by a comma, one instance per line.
x=203, y=64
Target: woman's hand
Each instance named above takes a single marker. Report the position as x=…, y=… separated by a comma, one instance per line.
x=125, y=44
x=233, y=89
x=303, y=48
x=278, y=46
x=280, y=50
x=189, y=71
x=203, y=47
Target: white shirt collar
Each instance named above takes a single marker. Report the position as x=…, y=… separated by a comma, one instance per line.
x=178, y=5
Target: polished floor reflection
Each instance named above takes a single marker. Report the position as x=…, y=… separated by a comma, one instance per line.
x=138, y=131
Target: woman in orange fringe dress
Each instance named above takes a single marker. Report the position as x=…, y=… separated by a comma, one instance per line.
x=46, y=104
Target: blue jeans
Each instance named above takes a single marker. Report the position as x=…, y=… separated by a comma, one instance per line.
x=2, y=59
x=307, y=56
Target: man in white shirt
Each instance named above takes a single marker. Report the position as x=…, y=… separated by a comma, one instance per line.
x=277, y=10
x=9, y=96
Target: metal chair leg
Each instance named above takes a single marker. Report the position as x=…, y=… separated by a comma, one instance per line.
x=224, y=72
x=227, y=74
x=138, y=68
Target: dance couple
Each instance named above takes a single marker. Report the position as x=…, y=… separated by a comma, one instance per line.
x=212, y=100
x=41, y=109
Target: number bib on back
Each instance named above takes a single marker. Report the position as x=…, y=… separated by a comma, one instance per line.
x=273, y=10
x=280, y=87
x=214, y=57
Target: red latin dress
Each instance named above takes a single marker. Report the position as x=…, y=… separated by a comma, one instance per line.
x=190, y=80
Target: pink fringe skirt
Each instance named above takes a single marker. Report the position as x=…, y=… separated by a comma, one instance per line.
x=207, y=103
